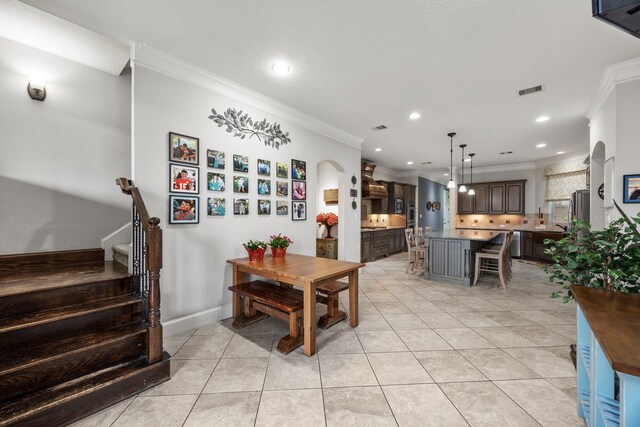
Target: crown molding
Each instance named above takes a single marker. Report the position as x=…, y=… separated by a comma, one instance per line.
x=613, y=75
x=169, y=65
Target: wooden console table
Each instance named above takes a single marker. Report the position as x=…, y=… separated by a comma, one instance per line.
x=608, y=345
x=327, y=248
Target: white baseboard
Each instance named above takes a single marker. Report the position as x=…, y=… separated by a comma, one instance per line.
x=196, y=320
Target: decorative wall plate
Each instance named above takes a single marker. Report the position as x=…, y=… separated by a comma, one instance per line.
x=354, y=205
x=601, y=191
x=436, y=206
x=429, y=205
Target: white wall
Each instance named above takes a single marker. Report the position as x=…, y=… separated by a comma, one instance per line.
x=614, y=121
x=328, y=178
x=195, y=276
x=61, y=156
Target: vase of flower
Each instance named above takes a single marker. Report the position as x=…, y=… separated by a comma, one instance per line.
x=279, y=245
x=255, y=249
x=328, y=220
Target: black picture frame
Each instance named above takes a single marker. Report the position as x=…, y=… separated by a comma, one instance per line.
x=179, y=183
x=184, y=149
x=631, y=188
x=180, y=215
x=298, y=169
x=298, y=211
x=298, y=189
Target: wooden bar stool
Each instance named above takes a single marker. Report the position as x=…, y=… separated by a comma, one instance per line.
x=495, y=262
x=416, y=253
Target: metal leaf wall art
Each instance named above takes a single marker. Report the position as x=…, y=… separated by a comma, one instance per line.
x=241, y=125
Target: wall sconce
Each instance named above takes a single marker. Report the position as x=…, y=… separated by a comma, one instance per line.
x=36, y=88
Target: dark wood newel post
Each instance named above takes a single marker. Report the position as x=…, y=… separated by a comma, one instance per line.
x=154, y=264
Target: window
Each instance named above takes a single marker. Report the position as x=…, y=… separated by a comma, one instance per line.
x=559, y=212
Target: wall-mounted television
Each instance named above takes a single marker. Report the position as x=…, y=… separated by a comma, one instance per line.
x=623, y=14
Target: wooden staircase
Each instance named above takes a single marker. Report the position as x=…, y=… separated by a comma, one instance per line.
x=78, y=334
x=73, y=339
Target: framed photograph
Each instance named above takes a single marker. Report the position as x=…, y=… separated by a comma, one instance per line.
x=631, y=185
x=241, y=206
x=298, y=211
x=183, y=179
x=264, y=167
x=282, y=207
x=282, y=188
x=215, y=159
x=298, y=169
x=216, y=206
x=282, y=170
x=215, y=181
x=183, y=148
x=264, y=207
x=298, y=190
x=183, y=209
x=240, y=184
x=264, y=187
x=240, y=163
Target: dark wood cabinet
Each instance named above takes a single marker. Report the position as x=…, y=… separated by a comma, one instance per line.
x=514, y=198
x=533, y=245
x=380, y=243
x=410, y=194
x=481, y=199
x=365, y=246
x=381, y=206
x=494, y=198
x=527, y=244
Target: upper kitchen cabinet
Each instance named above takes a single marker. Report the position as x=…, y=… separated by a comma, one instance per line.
x=505, y=197
x=394, y=202
x=410, y=194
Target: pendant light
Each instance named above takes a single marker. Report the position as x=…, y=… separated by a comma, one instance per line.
x=472, y=192
x=462, y=188
x=451, y=183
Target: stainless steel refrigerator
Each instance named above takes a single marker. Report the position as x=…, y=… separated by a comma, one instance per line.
x=579, y=206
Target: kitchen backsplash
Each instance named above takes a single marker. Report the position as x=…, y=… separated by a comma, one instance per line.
x=506, y=222
x=384, y=220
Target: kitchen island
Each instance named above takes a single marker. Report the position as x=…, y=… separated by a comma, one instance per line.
x=452, y=253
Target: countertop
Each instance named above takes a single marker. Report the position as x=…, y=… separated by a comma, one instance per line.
x=477, y=235
x=501, y=230
x=362, y=229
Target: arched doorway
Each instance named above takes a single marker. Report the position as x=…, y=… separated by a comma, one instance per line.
x=330, y=177
x=596, y=179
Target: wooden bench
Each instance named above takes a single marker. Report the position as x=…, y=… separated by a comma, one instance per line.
x=272, y=300
x=330, y=291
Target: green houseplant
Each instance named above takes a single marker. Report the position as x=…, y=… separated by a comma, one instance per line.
x=608, y=259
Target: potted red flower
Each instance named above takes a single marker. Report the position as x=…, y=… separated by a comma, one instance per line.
x=279, y=245
x=255, y=249
x=328, y=220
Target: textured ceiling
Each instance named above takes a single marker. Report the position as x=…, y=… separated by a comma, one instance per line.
x=361, y=63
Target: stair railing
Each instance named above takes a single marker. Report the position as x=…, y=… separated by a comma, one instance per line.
x=147, y=262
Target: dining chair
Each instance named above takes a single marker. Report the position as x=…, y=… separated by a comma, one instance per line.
x=495, y=262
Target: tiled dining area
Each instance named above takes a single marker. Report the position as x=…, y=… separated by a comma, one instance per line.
x=425, y=353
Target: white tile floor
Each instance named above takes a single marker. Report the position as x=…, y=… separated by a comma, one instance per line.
x=425, y=354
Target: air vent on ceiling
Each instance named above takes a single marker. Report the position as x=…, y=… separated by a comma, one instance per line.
x=530, y=90
x=506, y=152
x=425, y=163
x=380, y=127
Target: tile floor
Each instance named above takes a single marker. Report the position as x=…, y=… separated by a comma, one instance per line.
x=425, y=354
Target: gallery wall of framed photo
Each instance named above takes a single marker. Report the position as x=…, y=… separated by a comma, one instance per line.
x=234, y=187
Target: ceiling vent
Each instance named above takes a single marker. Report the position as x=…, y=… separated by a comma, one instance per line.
x=530, y=90
x=506, y=152
x=380, y=127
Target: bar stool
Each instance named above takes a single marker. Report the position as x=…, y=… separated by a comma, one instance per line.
x=495, y=262
x=416, y=253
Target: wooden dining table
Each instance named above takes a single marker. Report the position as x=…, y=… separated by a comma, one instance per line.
x=305, y=272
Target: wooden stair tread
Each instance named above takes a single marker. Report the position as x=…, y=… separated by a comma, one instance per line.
x=53, y=278
x=331, y=288
x=38, y=354
x=15, y=411
x=280, y=297
x=38, y=318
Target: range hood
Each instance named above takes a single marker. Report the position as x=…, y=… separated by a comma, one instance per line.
x=370, y=188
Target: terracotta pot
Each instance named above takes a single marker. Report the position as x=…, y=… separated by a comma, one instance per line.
x=257, y=254
x=278, y=252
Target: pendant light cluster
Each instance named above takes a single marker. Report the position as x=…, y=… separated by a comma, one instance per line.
x=452, y=184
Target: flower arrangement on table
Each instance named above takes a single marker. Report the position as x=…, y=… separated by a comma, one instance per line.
x=256, y=249
x=279, y=245
x=328, y=220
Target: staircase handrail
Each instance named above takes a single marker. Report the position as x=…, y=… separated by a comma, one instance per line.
x=152, y=254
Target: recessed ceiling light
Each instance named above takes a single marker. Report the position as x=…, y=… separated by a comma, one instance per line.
x=542, y=145
x=378, y=149
x=280, y=68
x=409, y=163
x=560, y=152
x=542, y=119
x=414, y=116
x=446, y=174
x=467, y=160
